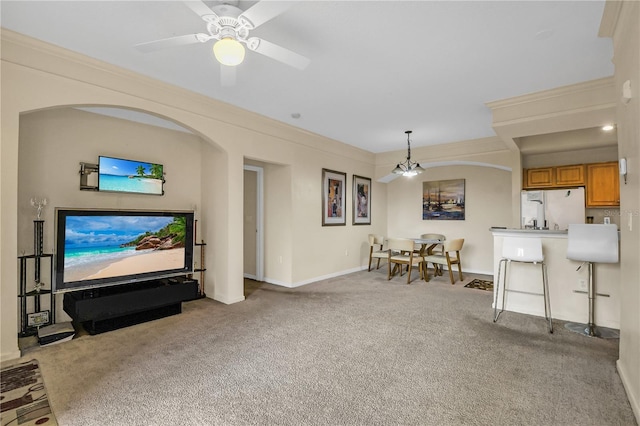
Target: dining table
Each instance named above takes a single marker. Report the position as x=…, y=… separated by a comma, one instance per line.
x=426, y=249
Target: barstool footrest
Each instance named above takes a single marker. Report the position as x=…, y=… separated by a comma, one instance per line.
x=591, y=330
x=524, y=292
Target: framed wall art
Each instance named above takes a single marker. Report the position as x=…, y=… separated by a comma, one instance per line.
x=443, y=200
x=333, y=198
x=361, y=200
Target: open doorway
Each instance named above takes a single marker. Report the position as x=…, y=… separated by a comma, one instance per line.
x=253, y=223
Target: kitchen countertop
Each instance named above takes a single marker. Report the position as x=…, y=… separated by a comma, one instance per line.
x=567, y=286
x=536, y=232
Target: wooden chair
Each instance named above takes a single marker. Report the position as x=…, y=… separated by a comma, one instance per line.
x=374, y=251
x=448, y=258
x=401, y=252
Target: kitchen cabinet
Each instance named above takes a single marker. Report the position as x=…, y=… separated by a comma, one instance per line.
x=554, y=177
x=569, y=175
x=539, y=178
x=603, y=185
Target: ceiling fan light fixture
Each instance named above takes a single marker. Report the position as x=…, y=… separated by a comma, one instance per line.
x=229, y=51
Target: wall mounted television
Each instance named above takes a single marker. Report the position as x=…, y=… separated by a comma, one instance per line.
x=98, y=248
x=119, y=175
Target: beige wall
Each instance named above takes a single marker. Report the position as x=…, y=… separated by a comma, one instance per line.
x=250, y=222
x=582, y=156
x=35, y=76
x=52, y=144
x=278, y=219
x=38, y=76
x=624, y=21
x=487, y=204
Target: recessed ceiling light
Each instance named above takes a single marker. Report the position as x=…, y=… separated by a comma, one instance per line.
x=607, y=128
x=295, y=115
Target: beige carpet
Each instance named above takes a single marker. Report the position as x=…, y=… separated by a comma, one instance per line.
x=353, y=350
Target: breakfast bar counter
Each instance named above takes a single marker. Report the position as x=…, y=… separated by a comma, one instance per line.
x=567, y=286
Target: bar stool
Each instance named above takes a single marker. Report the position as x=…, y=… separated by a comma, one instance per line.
x=589, y=243
x=522, y=250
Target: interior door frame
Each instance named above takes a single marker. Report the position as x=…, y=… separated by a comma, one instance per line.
x=259, y=220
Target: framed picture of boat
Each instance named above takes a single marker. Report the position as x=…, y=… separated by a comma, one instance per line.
x=443, y=200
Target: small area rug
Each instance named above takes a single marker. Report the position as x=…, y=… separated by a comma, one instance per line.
x=481, y=284
x=23, y=397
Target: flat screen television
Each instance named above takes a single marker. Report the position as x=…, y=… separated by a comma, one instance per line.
x=118, y=175
x=97, y=248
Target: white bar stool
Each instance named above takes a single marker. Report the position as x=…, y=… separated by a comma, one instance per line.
x=522, y=250
x=589, y=243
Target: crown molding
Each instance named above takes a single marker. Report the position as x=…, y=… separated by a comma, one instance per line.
x=610, y=17
x=604, y=83
x=40, y=56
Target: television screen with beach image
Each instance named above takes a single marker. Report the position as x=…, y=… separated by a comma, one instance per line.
x=105, y=248
x=118, y=175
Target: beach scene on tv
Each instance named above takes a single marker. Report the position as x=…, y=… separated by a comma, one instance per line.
x=120, y=175
x=113, y=246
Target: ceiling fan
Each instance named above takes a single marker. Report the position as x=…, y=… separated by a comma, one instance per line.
x=231, y=27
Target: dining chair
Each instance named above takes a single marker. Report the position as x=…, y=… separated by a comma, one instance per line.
x=376, y=243
x=434, y=237
x=451, y=256
x=401, y=252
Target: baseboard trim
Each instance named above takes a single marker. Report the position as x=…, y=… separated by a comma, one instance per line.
x=313, y=280
x=8, y=356
x=634, y=399
x=227, y=301
x=348, y=271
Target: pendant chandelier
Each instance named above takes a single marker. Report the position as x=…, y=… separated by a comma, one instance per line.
x=408, y=168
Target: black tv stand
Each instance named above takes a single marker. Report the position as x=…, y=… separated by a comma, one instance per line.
x=109, y=308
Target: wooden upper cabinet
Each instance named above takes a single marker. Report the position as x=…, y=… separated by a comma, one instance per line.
x=569, y=175
x=554, y=177
x=539, y=178
x=603, y=184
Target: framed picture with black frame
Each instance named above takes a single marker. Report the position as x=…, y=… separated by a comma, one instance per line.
x=333, y=198
x=361, y=210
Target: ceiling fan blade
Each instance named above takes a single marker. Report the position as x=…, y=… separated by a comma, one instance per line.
x=227, y=76
x=198, y=7
x=165, y=43
x=278, y=53
x=262, y=12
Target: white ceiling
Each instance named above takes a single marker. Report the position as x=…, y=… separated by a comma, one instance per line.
x=377, y=68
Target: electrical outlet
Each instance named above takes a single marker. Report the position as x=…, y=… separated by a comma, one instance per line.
x=582, y=284
x=280, y=259
x=346, y=252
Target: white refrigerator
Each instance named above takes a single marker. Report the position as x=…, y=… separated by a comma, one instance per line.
x=556, y=208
